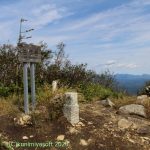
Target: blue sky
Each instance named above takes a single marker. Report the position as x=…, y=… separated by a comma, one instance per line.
x=105, y=34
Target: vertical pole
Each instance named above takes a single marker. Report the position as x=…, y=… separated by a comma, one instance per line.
x=25, y=82
x=32, y=71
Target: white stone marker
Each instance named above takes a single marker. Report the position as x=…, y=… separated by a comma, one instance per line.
x=54, y=85
x=71, y=107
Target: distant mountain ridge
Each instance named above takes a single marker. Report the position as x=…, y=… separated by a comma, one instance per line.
x=132, y=83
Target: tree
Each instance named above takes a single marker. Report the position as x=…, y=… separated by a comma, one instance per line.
x=106, y=79
x=60, y=56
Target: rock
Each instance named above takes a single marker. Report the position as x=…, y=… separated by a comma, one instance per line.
x=31, y=136
x=60, y=137
x=90, y=141
x=143, y=100
x=90, y=123
x=124, y=124
x=138, y=122
x=107, y=103
x=25, y=138
x=81, y=123
x=83, y=142
x=133, y=109
x=73, y=130
x=142, y=97
x=23, y=120
x=143, y=130
x=131, y=140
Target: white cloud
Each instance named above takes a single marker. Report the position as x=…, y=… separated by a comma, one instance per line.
x=110, y=62
x=46, y=14
x=129, y=66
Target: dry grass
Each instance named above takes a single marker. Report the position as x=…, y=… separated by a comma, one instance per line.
x=7, y=107
x=126, y=100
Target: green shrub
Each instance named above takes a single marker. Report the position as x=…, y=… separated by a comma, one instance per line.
x=4, y=91
x=94, y=91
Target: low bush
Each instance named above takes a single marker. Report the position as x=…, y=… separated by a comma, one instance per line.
x=94, y=91
x=4, y=91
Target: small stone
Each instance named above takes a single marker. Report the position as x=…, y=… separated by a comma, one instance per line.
x=25, y=138
x=31, y=136
x=26, y=118
x=90, y=141
x=131, y=140
x=82, y=124
x=83, y=142
x=73, y=130
x=90, y=123
x=107, y=102
x=60, y=137
x=124, y=124
x=146, y=138
x=23, y=120
x=82, y=119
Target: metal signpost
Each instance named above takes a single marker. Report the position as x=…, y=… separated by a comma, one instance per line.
x=28, y=54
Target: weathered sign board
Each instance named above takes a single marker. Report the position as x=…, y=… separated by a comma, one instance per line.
x=29, y=53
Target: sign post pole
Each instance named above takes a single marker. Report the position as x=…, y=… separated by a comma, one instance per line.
x=32, y=71
x=25, y=82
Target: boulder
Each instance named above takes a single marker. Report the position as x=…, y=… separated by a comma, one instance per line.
x=133, y=109
x=107, y=103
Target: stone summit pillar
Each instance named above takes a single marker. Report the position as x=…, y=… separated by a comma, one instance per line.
x=71, y=107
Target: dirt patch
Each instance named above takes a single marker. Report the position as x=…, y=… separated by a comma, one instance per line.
x=100, y=131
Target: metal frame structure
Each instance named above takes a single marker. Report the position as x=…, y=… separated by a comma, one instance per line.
x=28, y=53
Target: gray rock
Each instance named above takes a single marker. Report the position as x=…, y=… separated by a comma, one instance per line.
x=107, y=103
x=133, y=109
